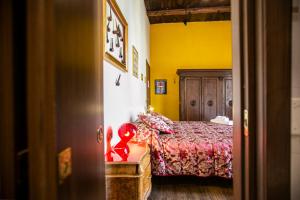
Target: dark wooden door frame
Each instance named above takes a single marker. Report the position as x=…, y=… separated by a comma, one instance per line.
x=240, y=64
x=238, y=179
x=273, y=98
x=7, y=164
x=261, y=76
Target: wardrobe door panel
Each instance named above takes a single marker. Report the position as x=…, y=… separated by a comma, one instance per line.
x=192, y=99
x=228, y=97
x=209, y=98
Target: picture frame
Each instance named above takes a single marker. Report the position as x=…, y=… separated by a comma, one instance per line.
x=135, y=62
x=160, y=86
x=64, y=164
x=115, y=36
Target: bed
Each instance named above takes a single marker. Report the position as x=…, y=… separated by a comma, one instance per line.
x=193, y=148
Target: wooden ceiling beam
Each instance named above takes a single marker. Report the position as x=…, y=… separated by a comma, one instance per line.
x=192, y=11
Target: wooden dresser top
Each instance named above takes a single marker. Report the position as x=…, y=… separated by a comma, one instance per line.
x=137, y=150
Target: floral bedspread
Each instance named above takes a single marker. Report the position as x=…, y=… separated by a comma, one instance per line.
x=197, y=148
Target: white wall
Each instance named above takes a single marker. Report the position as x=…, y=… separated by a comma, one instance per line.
x=123, y=103
x=295, y=138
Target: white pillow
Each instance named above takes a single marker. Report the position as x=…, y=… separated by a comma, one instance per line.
x=222, y=120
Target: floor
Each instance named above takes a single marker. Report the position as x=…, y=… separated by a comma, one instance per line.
x=190, y=188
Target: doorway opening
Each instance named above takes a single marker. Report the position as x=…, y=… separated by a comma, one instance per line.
x=191, y=49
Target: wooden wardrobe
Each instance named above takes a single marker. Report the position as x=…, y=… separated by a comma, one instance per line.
x=204, y=94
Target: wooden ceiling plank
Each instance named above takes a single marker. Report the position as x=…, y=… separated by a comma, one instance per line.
x=194, y=18
x=192, y=11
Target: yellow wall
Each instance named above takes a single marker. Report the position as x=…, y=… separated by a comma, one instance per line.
x=199, y=45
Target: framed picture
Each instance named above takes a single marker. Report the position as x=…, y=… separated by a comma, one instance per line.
x=115, y=35
x=135, y=62
x=160, y=86
x=64, y=164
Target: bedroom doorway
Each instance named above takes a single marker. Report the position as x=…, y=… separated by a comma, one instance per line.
x=191, y=53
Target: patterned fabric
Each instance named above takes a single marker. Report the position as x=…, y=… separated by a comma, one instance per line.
x=196, y=148
x=144, y=132
x=156, y=123
x=164, y=118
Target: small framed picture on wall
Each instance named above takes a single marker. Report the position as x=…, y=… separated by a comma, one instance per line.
x=160, y=86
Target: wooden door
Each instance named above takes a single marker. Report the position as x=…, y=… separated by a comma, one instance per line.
x=209, y=98
x=79, y=101
x=148, y=89
x=64, y=97
x=192, y=99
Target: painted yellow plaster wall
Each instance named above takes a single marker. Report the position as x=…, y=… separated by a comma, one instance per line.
x=199, y=45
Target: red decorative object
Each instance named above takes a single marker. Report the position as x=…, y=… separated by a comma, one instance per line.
x=125, y=132
x=109, y=135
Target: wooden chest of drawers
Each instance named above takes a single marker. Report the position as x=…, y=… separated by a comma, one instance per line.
x=131, y=179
